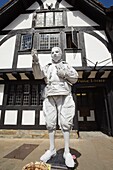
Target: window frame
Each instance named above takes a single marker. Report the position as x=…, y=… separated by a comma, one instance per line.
x=23, y=94
x=31, y=42
x=49, y=43
x=72, y=37
x=64, y=23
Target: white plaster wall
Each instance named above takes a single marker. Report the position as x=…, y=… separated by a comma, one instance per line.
x=77, y=18
x=7, y=53
x=1, y=93
x=10, y=117
x=28, y=117
x=44, y=59
x=96, y=51
x=102, y=34
x=74, y=59
x=24, y=61
x=23, y=21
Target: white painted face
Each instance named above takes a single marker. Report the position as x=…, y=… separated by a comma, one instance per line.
x=56, y=54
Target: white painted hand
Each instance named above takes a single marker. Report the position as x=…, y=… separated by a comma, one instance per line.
x=61, y=72
x=34, y=56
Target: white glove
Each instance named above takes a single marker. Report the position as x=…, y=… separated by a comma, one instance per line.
x=61, y=73
x=60, y=70
x=35, y=56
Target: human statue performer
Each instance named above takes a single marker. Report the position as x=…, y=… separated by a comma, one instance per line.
x=58, y=100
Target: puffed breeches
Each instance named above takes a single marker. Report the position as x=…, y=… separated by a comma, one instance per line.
x=61, y=106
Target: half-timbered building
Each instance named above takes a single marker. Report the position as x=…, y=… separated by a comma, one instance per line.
x=84, y=31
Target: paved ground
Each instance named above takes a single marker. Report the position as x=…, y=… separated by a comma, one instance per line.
x=94, y=151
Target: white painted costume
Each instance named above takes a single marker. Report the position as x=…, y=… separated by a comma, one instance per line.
x=59, y=77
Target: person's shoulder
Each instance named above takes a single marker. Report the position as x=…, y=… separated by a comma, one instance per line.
x=64, y=62
x=47, y=65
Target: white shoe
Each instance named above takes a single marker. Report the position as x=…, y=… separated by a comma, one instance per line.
x=69, y=160
x=48, y=155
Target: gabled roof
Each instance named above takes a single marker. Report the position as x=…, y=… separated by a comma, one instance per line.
x=13, y=9
x=92, y=8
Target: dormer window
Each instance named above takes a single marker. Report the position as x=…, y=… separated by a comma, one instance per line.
x=49, y=19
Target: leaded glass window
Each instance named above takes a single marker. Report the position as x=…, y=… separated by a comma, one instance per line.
x=47, y=41
x=49, y=19
x=34, y=95
x=18, y=98
x=11, y=95
x=26, y=42
x=25, y=94
x=58, y=19
x=40, y=20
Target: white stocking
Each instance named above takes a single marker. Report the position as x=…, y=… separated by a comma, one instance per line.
x=66, y=141
x=52, y=140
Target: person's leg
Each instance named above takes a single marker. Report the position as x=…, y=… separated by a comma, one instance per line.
x=66, y=118
x=66, y=135
x=49, y=111
x=67, y=155
x=52, y=140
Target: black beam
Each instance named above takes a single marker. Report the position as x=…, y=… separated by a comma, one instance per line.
x=110, y=75
x=16, y=75
x=29, y=75
x=4, y=76
x=99, y=74
x=86, y=74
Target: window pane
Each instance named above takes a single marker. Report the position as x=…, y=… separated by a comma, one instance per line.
x=54, y=40
x=40, y=20
x=34, y=95
x=49, y=19
x=69, y=41
x=58, y=19
x=26, y=42
x=41, y=96
x=11, y=93
x=44, y=41
x=18, y=98
x=26, y=94
x=47, y=41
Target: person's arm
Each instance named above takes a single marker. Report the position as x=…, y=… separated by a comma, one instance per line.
x=37, y=69
x=67, y=72
x=71, y=74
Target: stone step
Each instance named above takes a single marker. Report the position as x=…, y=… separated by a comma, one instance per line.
x=4, y=133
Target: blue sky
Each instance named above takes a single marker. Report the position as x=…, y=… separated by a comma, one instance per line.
x=106, y=3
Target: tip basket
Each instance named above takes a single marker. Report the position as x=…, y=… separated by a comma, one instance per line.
x=37, y=166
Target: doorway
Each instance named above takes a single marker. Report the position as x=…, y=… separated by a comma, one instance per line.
x=92, y=109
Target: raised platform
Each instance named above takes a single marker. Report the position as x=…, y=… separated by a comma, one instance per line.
x=34, y=134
